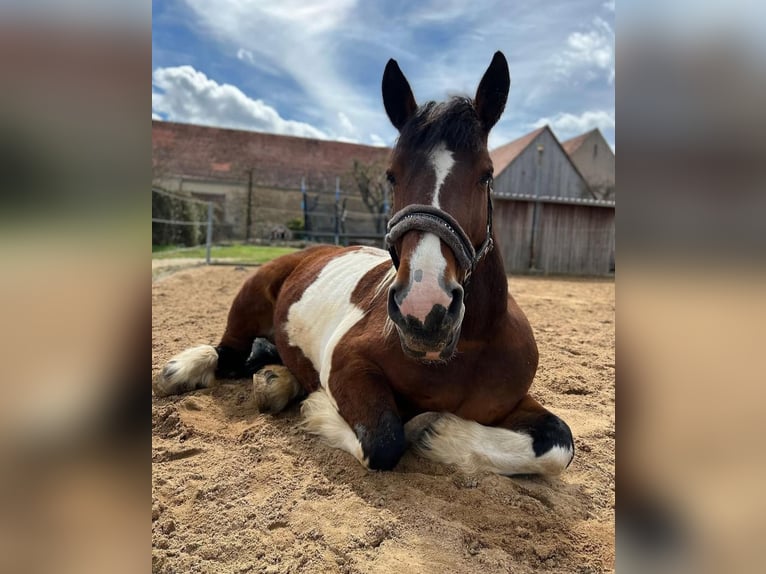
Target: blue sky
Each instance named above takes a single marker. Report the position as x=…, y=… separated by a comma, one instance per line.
x=313, y=68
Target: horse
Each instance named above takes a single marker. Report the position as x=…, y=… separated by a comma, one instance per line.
x=418, y=346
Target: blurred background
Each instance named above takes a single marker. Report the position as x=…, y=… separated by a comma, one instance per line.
x=691, y=286
x=74, y=297
x=75, y=165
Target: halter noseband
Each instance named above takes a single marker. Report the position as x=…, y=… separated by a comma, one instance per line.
x=437, y=221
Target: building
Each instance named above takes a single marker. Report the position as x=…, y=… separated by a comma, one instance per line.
x=593, y=157
x=546, y=217
x=255, y=178
x=537, y=165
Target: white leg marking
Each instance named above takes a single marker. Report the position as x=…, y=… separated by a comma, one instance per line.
x=191, y=369
x=474, y=447
x=321, y=417
x=442, y=162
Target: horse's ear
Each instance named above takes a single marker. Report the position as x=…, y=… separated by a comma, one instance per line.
x=492, y=92
x=397, y=95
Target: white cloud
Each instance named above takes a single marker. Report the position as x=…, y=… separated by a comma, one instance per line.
x=377, y=141
x=587, y=51
x=314, y=60
x=609, y=5
x=188, y=95
x=306, y=46
x=245, y=56
x=345, y=123
x=442, y=11
x=566, y=125
x=156, y=116
x=296, y=37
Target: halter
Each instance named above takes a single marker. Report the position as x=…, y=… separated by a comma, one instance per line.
x=431, y=219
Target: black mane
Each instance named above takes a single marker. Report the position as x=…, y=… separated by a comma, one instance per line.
x=454, y=122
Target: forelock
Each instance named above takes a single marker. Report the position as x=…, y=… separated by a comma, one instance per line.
x=454, y=123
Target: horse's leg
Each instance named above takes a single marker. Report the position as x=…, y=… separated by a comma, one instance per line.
x=244, y=347
x=358, y=415
x=529, y=440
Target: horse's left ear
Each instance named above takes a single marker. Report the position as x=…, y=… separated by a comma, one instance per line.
x=492, y=92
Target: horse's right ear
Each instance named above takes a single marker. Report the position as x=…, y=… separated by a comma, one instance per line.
x=397, y=95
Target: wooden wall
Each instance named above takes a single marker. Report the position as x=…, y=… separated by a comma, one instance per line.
x=571, y=239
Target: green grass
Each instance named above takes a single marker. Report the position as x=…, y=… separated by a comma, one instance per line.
x=246, y=253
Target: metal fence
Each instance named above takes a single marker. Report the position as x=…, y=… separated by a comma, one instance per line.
x=547, y=235
x=159, y=221
x=226, y=213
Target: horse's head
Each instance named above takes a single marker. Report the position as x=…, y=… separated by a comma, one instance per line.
x=441, y=175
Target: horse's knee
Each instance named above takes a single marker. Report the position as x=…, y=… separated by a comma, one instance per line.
x=383, y=445
x=552, y=443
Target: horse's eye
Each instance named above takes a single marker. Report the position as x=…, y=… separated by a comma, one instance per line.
x=390, y=178
x=486, y=179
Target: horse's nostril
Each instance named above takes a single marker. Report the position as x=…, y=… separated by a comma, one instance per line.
x=457, y=301
x=393, y=303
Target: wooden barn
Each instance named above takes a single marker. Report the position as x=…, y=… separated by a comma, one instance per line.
x=547, y=219
x=536, y=164
x=593, y=157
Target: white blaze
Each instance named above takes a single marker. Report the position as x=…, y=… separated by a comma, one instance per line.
x=427, y=267
x=442, y=162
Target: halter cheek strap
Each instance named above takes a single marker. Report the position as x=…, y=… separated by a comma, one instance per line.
x=431, y=219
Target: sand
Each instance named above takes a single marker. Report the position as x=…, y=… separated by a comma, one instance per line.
x=237, y=491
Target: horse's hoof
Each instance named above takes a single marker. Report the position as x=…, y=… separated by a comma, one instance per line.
x=273, y=388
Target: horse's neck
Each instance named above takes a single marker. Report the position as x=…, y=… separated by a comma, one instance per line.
x=487, y=297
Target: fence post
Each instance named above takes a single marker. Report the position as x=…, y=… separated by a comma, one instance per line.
x=249, y=218
x=337, y=210
x=533, y=246
x=209, y=241
x=305, y=207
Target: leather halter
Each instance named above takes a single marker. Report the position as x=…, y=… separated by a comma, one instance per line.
x=431, y=219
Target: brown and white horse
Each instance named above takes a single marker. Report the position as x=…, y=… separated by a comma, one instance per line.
x=430, y=351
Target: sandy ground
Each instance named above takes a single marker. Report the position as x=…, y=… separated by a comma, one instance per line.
x=237, y=491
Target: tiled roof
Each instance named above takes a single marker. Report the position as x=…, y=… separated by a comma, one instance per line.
x=572, y=145
x=226, y=154
x=503, y=156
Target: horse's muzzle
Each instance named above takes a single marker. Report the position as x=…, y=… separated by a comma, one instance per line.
x=433, y=338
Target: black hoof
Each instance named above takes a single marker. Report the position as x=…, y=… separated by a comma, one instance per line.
x=263, y=353
x=234, y=364
x=385, y=445
x=550, y=432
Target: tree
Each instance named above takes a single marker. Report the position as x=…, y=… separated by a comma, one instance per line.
x=370, y=181
x=172, y=206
